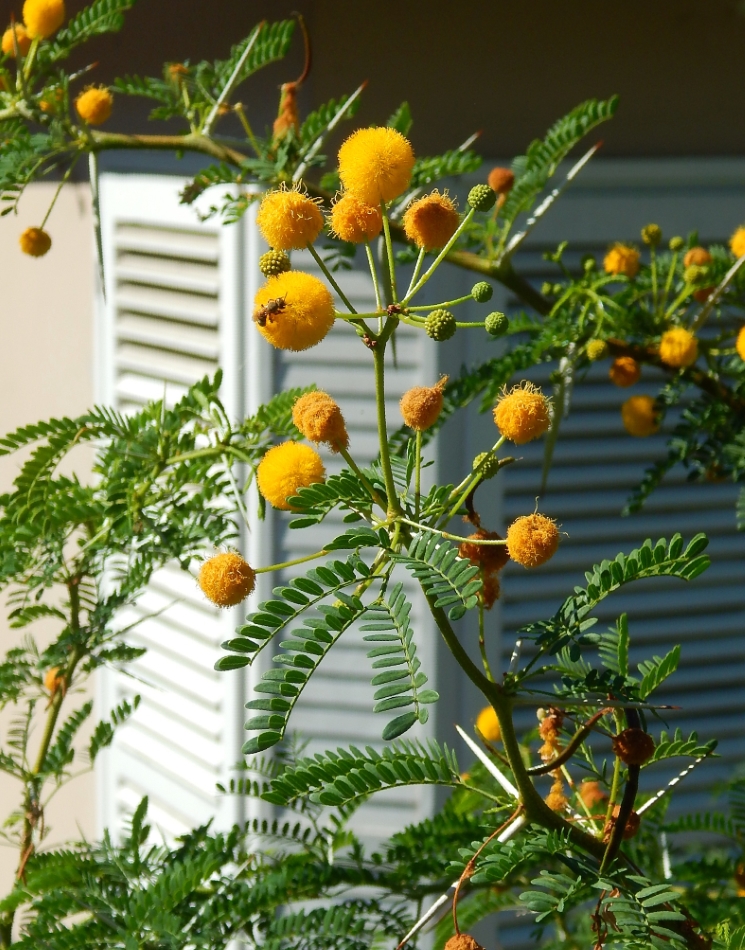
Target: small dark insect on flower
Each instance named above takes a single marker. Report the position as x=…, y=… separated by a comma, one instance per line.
x=270, y=309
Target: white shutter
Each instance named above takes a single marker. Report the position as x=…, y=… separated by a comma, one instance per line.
x=336, y=706
x=178, y=304
x=172, y=314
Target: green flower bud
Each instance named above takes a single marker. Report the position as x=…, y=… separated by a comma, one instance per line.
x=440, y=325
x=273, y=263
x=596, y=350
x=482, y=291
x=676, y=243
x=496, y=323
x=490, y=467
x=481, y=198
x=652, y=235
x=588, y=263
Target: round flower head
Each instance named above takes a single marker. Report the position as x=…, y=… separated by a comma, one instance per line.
x=633, y=746
x=431, y=221
x=501, y=180
x=523, y=414
x=676, y=244
x=678, y=347
x=319, y=418
x=35, y=242
x=532, y=540
x=22, y=40
x=94, y=105
x=697, y=257
x=490, y=557
x=625, y=371
x=596, y=350
x=737, y=242
x=496, y=323
x=440, y=325
x=52, y=678
x=226, y=579
x=556, y=799
x=421, y=406
x=623, y=260
x=273, y=263
x=289, y=219
x=462, y=942
x=591, y=793
x=652, y=235
x=487, y=725
x=376, y=164
x=284, y=469
x=43, y=17
x=490, y=590
x=640, y=416
x=294, y=311
x=354, y=221
x=740, y=343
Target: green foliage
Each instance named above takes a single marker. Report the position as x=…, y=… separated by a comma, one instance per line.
x=448, y=580
x=348, y=775
x=539, y=163
x=102, y=16
x=400, y=684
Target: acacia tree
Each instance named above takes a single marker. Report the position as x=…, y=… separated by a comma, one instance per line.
x=166, y=488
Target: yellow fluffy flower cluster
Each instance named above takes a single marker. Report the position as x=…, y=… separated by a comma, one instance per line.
x=622, y=260
x=640, y=416
x=94, y=105
x=226, y=579
x=16, y=36
x=487, y=725
x=289, y=219
x=43, y=17
x=286, y=468
x=376, y=164
x=678, y=347
x=523, y=414
x=431, y=221
x=319, y=418
x=532, y=540
x=294, y=310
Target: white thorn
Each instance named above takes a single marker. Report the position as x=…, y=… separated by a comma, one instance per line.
x=671, y=784
x=508, y=832
x=515, y=656
x=488, y=764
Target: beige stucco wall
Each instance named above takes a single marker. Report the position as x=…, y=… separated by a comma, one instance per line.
x=46, y=364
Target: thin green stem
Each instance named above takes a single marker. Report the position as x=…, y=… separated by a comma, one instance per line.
x=685, y=292
x=241, y=113
x=362, y=477
x=653, y=270
x=330, y=278
x=482, y=645
x=669, y=281
x=374, y=275
x=462, y=491
x=417, y=270
x=283, y=564
x=449, y=536
x=445, y=303
x=394, y=508
x=63, y=182
x=418, y=473
x=389, y=253
x=440, y=257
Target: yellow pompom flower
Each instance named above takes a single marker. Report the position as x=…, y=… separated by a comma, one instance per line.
x=376, y=164
x=319, y=419
x=52, y=678
x=740, y=343
x=43, y=17
x=22, y=39
x=596, y=350
x=624, y=371
x=487, y=725
x=622, y=259
x=226, y=579
x=35, y=242
x=532, y=540
x=354, y=221
x=640, y=416
x=431, y=221
x=697, y=257
x=94, y=105
x=294, y=310
x=678, y=347
x=523, y=414
x=737, y=242
x=421, y=406
x=286, y=468
x=289, y=219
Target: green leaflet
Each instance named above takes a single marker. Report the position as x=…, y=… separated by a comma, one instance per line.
x=401, y=682
x=450, y=581
x=347, y=775
x=539, y=163
x=659, y=560
x=276, y=615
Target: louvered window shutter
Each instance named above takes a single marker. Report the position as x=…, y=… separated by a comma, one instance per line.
x=172, y=314
x=178, y=305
